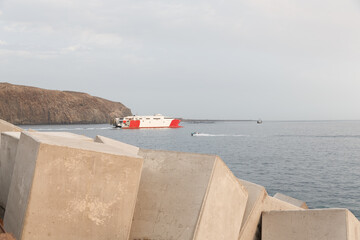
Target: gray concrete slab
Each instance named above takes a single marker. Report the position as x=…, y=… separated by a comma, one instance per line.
x=291, y=200
x=274, y=204
x=185, y=196
x=251, y=223
x=319, y=224
x=8, y=147
x=224, y=206
x=259, y=201
x=66, y=188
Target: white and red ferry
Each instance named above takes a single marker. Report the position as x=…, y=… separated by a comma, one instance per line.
x=155, y=121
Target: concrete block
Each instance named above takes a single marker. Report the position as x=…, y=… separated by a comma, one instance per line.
x=8, y=127
x=8, y=147
x=291, y=200
x=329, y=224
x=251, y=223
x=63, y=188
x=126, y=148
x=187, y=196
x=258, y=202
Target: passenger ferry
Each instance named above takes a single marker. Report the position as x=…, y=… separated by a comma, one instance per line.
x=155, y=121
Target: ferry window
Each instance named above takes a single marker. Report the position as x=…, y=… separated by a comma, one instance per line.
x=157, y=118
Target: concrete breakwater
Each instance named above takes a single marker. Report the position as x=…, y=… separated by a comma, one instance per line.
x=67, y=186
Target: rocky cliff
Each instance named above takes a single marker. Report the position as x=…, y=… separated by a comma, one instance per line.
x=30, y=105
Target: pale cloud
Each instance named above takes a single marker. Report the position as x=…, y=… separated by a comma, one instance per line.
x=3, y=43
x=66, y=3
x=21, y=27
x=18, y=53
x=16, y=27
x=136, y=60
x=74, y=48
x=101, y=39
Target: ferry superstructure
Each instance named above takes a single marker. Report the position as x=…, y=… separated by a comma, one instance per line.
x=154, y=121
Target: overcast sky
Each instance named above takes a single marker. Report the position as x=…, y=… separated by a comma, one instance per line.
x=234, y=59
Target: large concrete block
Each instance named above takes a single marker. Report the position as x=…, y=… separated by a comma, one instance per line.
x=329, y=224
x=258, y=202
x=250, y=229
x=185, y=196
x=8, y=146
x=65, y=188
x=291, y=200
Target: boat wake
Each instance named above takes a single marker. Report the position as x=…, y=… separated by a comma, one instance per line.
x=218, y=135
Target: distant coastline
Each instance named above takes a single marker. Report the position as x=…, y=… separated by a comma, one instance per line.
x=213, y=120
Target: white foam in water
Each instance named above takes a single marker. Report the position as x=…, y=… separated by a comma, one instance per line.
x=218, y=135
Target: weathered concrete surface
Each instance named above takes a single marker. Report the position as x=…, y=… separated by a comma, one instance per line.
x=126, y=148
x=65, y=188
x=291, y=200
x=250, y=229
x=68, y=135
x=273, y=204
x=8, y=146
x=329, y=224
x=258, y=202
x=185, y=196
x=353, y=226
x=223, y=207
x=8, y=127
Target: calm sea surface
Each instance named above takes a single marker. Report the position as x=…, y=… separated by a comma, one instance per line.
x=318, y=162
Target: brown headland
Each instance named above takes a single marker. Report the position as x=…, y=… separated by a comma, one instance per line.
x=30, y=105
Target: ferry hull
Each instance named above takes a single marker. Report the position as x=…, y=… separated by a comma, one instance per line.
x=136, y=122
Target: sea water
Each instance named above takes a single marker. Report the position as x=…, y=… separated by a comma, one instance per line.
x=315, y=161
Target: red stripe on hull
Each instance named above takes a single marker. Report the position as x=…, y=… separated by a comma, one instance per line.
x=150, y=127
x=134, y=124
x=174, y=123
